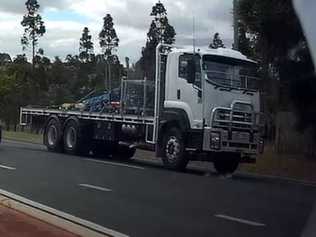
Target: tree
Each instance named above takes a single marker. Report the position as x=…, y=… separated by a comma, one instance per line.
x=15, y=89
x=8, y=98
x=245, y=43
x=20, y=59
x=41, y=74
x=127, y=64
x=109, y=43
x=160, y=31
x=86, y=46
x=33, y=26
x=217, y=42
x=5, y=59
x=62, y=78
x=72, y=60
x=280, y=47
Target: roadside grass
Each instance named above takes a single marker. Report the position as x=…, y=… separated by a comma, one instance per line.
x=22, y=136
x=294, y=166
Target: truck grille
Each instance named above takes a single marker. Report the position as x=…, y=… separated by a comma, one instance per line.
x=238, y=120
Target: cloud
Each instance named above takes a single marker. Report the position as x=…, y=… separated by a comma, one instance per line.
x=65, y=20
x=18, y=6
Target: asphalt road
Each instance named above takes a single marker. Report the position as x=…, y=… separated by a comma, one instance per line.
x=142, y=199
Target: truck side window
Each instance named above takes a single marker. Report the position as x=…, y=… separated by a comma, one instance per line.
x=183, y=68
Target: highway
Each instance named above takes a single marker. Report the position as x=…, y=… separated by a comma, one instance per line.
x=142, y=199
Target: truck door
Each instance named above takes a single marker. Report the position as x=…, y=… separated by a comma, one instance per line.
x=184, y=95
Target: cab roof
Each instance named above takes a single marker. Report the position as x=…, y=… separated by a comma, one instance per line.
x=224, y=52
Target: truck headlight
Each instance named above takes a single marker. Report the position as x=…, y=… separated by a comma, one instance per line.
x=215, y=140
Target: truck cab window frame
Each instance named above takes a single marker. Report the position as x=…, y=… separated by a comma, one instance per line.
x=183, y=68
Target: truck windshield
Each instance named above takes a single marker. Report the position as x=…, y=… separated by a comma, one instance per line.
x=238, y=75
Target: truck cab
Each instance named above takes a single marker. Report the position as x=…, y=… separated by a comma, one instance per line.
x=211, y=97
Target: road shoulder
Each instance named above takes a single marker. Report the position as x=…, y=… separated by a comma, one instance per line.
x=53, y=217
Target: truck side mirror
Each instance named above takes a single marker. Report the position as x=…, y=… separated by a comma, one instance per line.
x=191, y=71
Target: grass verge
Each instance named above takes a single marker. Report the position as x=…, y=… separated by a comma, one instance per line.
x=295, y=166
x=23, y=136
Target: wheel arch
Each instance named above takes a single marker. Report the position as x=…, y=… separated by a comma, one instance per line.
x=50, y=118
x=172, y=117
x=176, y=116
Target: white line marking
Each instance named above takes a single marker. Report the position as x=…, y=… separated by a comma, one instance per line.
x=243, y=221
x=95, y=187
x=7, y=167
x=66, y=219
x=116, y=164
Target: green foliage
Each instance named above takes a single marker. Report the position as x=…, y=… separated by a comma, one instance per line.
x=278, y=43
x=217, y=42
x=7, y=87
x=86, y=46
x=20, y=59
x=245, y=43
x=5, y=59
x=109, y=43
x=33, y=26
x=15, y=90
x=274, y=25
x=160, y=31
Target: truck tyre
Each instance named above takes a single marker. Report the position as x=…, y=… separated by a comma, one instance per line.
x=75, y=142
x=174, y=156
x=53, y=136
x=226, y=164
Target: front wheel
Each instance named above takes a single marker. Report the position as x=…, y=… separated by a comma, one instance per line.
x=174, y=156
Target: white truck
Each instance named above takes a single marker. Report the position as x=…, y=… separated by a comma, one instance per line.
x=202, y=105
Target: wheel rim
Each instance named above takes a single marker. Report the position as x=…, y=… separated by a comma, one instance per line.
x=71, y=137
x=52, y=135
x=173, y=149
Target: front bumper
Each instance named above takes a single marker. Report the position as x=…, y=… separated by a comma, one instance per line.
x=248, y=144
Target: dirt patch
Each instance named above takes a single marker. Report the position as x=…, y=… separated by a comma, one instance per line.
x=15, y=224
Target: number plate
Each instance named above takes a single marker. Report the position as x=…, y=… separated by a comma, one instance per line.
x=241, y=136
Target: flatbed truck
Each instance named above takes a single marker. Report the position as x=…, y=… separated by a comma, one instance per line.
x=202, y=105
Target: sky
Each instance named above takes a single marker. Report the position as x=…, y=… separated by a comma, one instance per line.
x=65, y=20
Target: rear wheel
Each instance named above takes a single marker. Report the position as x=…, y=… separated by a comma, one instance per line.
x=75, y=142
x=174, y=156
x=227, y=163
x=53, y=136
